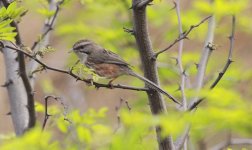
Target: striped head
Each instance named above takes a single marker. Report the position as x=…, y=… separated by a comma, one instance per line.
x=83, y=48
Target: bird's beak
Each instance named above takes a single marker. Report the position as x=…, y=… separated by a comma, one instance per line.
x=70, y=51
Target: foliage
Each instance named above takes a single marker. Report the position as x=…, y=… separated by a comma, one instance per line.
x=91, y=130
x=7, y=15
x=225, y=108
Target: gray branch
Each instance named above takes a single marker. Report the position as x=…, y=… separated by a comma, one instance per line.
x=206, y=52
x=180, y=51
x=25, y=102
x=16, y=91
x=43, y=42
x=233, y=141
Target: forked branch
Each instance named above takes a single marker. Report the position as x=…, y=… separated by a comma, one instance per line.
x=180, y=37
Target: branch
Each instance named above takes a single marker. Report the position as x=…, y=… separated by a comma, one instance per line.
x=179, y=59
x=46, y=117
x=194, y=104
x=44, y=39
x=16, y=91
x=48, y=25
x=117, y=109
x=23, y=75
x=70, y=73
x=181, y=140
x=229, y=60
x=206, y=52
x=143, y=41
x=233, y=141
x=180, y=37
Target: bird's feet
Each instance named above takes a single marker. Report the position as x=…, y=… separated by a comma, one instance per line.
x=90, y=82
x=110, y=85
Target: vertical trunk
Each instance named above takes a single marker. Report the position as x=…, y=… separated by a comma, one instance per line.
x=16, y=92
x=157, y=104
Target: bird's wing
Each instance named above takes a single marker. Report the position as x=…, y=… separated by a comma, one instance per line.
x=112, y=58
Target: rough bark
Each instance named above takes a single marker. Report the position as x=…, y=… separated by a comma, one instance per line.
x=149, y=65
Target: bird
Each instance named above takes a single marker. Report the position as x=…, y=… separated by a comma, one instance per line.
x=108, y=64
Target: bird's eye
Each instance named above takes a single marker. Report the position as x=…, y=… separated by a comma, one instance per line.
x=80, y=47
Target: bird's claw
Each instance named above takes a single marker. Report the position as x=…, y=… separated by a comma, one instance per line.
x=90, y=82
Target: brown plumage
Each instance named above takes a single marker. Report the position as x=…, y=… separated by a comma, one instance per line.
x=108, y=64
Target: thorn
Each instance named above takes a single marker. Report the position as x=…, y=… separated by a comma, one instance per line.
x=187, y=38
x=211, y=46
x=97, y=87
x=127, y=104
x=178, y=89
x=230, y=60
x=49, y=115
x=184, y=32
x=197, y=65
x=16, y=59
x=150, y=4
x=184, y=72
x=33, y=93
x=176, y=59
x=6, y=84
x=154, y=57
x=130, y=31
x=24, y=13
x=77, y=79
x=175, y=5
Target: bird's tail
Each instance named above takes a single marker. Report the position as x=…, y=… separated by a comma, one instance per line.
x=154, y=86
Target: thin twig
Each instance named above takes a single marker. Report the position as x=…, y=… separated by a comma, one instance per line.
x=179, y=59
x=180, y=37
x=195, y=104
x=47, y=115
x=70, y=73
x=49, y=25
x=229, y=59
x=182, y=139
x=117, y=109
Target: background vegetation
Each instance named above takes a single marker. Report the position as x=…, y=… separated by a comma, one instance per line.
x=89, y=118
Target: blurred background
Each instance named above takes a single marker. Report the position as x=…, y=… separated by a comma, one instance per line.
x=103, y=21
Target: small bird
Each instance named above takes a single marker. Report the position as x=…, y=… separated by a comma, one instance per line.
x=108, y=64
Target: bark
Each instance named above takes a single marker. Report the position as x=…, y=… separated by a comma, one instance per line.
x=140, y=30
x=16, y=92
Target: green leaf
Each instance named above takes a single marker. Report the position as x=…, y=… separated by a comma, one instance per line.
x=46, y=12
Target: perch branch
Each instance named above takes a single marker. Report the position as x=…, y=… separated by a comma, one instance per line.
x=70, y=73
